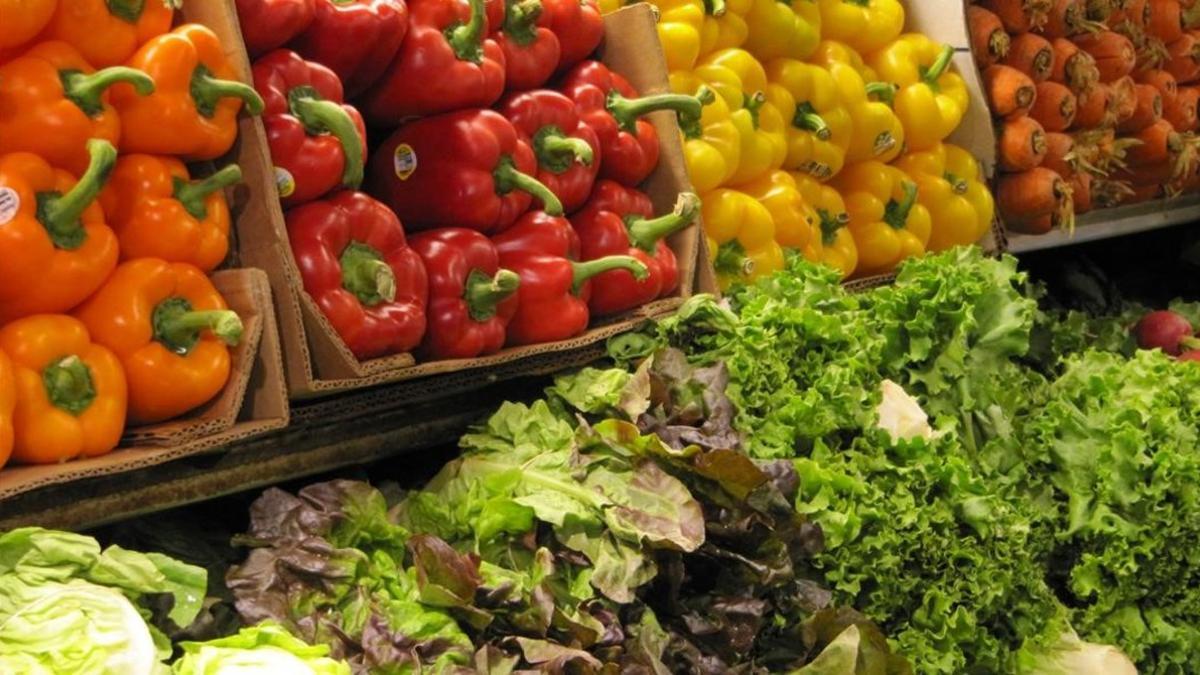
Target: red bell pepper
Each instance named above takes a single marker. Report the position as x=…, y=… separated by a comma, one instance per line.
x=317, y=142
x=356, y=39
x=567, y=150
x=531, y=50
x=608, y=103
x=357, y=266
x=552, y=301
x=447, y=63
x=620, y=221
x=579, y=28
x=471, y=300
x=462, y=169
x=270, y=24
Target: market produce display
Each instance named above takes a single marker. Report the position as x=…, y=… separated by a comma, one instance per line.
x=489, y=117
x=1095, y=104
x=107, y=316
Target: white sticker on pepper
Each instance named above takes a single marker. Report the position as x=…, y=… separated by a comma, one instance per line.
x=10, y=203
x=284, y=182
x=404, y=161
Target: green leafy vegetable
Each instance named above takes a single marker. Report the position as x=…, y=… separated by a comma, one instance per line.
x=265, y=648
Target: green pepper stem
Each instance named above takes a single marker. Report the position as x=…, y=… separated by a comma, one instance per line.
x=483, y=293
x=222, y=323
x=807, y=118
x=507, y=178
x=692, y=127
x=128, y=11
x=193, y=194
x=715, y=8
x=61, y=214
x=830, y=225
x=207, y=91
x=557, y=152
x=86, y=90
x=466, y=39
x=938, y=67
x=896, y=213
x=69, y=385
x=886, y=91
x=958, y=185
x=731, y=260
x=645, y=233
x=627, y=111
x=320, y=116
x=520, y=20
x=367, y=275
x=754, y=103
x=586, y=270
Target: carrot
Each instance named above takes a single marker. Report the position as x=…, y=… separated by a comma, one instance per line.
x=1022, y=144
x=1101, y=151
x=1181, y=111
x=1135, y=13
x=1034, y=201
x=1019, y=16
x=1060, y=155
x=1166, y=20
x=1073, y=67
x=1146, y=193
x=1148, y=109
x=1108, y=193
x=1054, y=107
x=1159, y=142
x=1114, y=53
x=1161, y=80
x=1184, y=61
x=1124, y=99
x=1031, y=54
x=1152, y=53
x=1094, y=108
x=989, y=40
x=1081, y=191
x=1066, y=18
x=1010, y=92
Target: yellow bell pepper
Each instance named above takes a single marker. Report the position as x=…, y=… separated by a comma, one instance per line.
x=610, y=6
x=783, y=29
x=878, y=133
x=932, y=98
x=819, y=130
x=886, y=220
x=831, y=244
x=864, y=25
x=724, y=25
x=713, y=149
x=952, y=187
x=679, y=25
x=794, y=218
x=741, y=80
x=741, y=237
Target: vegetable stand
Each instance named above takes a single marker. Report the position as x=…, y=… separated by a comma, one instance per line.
x=494, y=336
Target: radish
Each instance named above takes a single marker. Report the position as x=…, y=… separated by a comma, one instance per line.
x=1167, y=331
x=1190, y=355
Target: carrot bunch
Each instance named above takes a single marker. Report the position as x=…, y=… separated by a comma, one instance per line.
x=1113, y=114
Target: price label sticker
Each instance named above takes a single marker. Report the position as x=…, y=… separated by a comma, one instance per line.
x=10, y=203
x=284, y=182
x=404, y=161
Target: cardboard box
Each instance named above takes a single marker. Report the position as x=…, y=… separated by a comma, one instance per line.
x=317, y=360
x=254, y=402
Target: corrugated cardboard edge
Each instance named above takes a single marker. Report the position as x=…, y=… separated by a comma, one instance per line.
x=264, y=406
x=317, y=361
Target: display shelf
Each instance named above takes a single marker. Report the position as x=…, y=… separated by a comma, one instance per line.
x=1117, y=222
x=324, y=436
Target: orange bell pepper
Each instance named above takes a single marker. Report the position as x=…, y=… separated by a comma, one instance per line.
x=23, y=20
x=171, y=330
x=52, y=102
x=70, y=392
x=8, y=403
x=157, y=211
x=56, y=248
x=194, y=111
x=108, y=32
